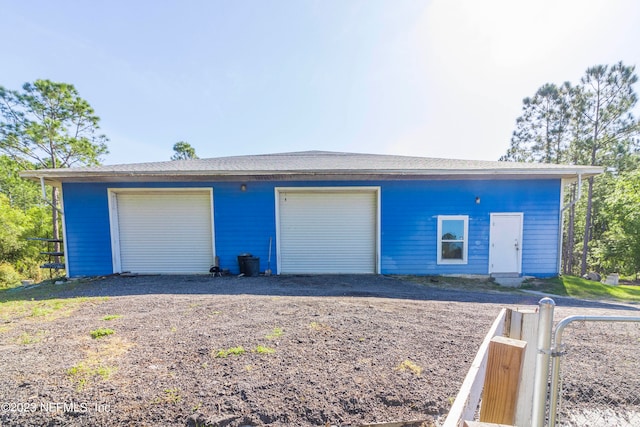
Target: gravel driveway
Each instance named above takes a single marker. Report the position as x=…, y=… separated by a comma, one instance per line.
x=376, y=286
x=279, y=350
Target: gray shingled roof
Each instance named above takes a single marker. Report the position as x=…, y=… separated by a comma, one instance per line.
x=309, y=163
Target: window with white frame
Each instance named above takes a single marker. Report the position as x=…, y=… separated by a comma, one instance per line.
x=453, y=239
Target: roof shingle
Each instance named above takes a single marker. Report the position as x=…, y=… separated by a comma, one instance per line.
x=316, y=163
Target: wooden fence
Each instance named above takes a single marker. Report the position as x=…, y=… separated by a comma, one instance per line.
x=502, y=373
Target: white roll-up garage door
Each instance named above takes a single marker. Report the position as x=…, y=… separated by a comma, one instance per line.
x=327, y=231
x=165, y=231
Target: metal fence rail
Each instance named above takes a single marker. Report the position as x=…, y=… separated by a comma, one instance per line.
x=595, y=374
x=591, y=377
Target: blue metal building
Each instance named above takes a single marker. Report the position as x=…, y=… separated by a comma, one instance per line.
x=315, y=212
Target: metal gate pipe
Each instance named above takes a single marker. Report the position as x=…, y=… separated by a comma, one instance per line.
x=558, y=351
x=545, y=328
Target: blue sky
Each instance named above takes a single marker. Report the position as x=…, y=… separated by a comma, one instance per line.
x=440, y=78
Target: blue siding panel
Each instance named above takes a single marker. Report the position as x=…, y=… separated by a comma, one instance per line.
x=86, y=216
x=244, y=221
x=410, y=211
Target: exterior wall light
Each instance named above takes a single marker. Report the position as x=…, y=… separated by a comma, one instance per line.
x=243, y=187
x=477, y=200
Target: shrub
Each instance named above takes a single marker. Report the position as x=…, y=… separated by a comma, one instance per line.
x=9, y=277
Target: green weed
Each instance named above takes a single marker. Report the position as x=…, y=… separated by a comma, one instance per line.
x=276, y=333
x=98, y=362
x=82, y=373
x=408, y=365
x=101, y=332
x=233, y=351
x=320, y=327
x=264, y=350
x=170, y=395
x=26, y=338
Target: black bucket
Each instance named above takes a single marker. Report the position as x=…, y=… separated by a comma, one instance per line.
x=252, y=266
x=242, y=262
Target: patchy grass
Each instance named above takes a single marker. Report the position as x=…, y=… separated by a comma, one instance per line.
x=40, y=302
x=110, y=349
x=82, y=373
x=111, y=317
x=98, y=363
x=46, y=310
x=60, y=306
x=463, y=283
x=261, y=349
x=26, y=338
x=276, y=333
x=586, y=289
x=233, y=351
x=408, y=365
x=320, y=327
x=43, y=290
x=169, y=396
x=101, y=333
x=240, y=350
x=569, y=286
x=32, y=311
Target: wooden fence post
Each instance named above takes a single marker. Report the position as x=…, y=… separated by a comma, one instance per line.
x=502, y=380
x=466, y=402
x=524, y=326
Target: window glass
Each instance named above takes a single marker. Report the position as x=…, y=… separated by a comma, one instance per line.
x=453, y=229
x=451, y=250
x=452, y=239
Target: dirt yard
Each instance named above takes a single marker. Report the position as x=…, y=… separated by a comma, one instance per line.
x=291, y=350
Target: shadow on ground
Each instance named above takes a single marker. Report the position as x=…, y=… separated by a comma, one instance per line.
x=375, y=286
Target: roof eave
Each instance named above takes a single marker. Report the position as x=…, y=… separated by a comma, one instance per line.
x=68, y=175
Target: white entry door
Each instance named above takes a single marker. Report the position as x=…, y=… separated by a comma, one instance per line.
x=505, y=243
